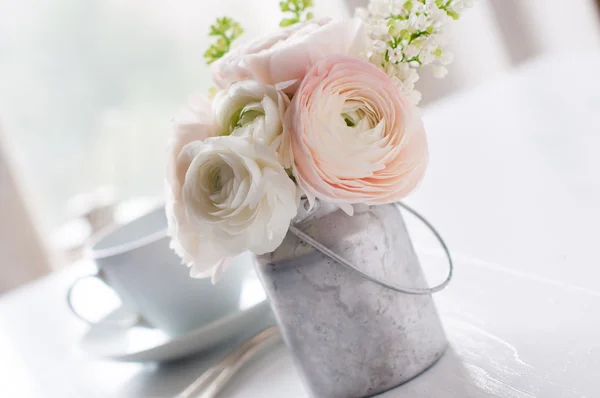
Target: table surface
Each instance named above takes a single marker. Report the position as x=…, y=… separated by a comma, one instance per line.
x=514, y=187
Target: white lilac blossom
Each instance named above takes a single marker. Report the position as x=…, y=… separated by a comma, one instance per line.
x=408, y=34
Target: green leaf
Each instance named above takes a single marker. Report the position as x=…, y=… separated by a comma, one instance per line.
x=295, y=11
x=287, y=22
x=453, y=14
x=226, y=30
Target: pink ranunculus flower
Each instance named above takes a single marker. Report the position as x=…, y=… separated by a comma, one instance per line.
x=284, y=57
x=355, y=138
x=193, y=123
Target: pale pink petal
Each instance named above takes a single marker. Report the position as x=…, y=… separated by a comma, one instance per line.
x=380, y=159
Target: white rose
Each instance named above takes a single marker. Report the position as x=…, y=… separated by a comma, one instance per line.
x=236, y=197
x=255, y=111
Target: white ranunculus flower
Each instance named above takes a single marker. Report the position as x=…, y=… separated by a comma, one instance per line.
x=193, y=123
x=254, y=111
x=236, y=197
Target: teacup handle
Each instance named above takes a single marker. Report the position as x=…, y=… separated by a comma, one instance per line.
x=129, y=321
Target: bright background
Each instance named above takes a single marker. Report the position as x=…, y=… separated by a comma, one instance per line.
x=88, y=87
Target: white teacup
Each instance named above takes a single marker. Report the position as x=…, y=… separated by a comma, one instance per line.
x=136, y=262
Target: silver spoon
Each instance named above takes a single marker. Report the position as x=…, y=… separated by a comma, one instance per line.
x=211, y=382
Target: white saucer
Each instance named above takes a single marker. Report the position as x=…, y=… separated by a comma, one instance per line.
x=141, y=343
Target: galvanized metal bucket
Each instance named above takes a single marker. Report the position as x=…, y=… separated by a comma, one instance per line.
x=333, y=285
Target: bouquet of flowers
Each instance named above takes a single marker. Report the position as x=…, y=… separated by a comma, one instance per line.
x=323, y=109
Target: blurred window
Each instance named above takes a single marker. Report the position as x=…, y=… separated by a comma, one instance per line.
x=87, y=88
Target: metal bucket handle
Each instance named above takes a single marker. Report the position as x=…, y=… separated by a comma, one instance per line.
x=407, y=290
